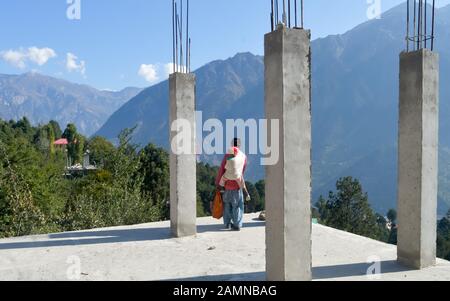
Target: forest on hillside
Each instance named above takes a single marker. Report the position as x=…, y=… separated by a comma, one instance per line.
x=130, y=185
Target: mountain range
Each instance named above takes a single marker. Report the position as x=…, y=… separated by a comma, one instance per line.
x=42, y=98
x=354, y=106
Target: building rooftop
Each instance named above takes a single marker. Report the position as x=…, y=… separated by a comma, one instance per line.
x=147, y=252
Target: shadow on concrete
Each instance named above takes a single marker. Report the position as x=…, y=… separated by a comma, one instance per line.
x=221, y=227
x=92, y=238
x=319, y=273
x=355, y=270
x=257, y=276
x=95, y=237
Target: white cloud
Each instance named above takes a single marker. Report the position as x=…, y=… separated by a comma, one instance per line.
x=149, y=73
x=75, y=65
x=154, y=73
x=15, y=58
x=40, y=56
x=20, y=57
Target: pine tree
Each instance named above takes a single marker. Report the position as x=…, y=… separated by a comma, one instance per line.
x=76, y=143
x=348, y=209
x=56, y=128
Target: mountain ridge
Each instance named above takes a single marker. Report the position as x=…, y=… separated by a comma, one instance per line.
x=42, y=98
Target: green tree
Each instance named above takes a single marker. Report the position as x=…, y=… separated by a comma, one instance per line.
x=323, y=209
x=206, y=187
x=444, y=225
x=383, y=229
x=200, y=210
x=19, y=213
x=24, y=126
x=101, y=150
x=255, y=204
x=70, y=133
x=76, y=143
x=154, y=167
x=443, y=237
x=56, y=128
x=35, y=197
x=44, y=139
x=348, y=209
x=261, y=187
x=111, y=197
x=79, y=148
x=392, y=218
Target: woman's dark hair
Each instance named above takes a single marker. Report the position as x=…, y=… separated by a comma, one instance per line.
x=236, y=142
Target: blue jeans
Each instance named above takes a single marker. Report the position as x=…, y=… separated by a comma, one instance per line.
x=233, y=208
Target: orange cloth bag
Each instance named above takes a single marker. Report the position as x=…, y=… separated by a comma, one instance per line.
x=217, y=206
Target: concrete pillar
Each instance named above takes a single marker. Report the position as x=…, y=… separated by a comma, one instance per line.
x=418, y=158
x=288, y=183
x=183, y=186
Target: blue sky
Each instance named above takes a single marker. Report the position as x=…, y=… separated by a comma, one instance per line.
x=114, y=38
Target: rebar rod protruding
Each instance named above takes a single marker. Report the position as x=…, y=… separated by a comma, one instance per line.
x=301, y=1
x=425, y=25
x=289, y=13
x=176, y=37
x=272, y=21
x=189, y=55
x=181, y=38
x=187, y=35
x=414, y=25
x=295, y=12
x=432, y=27
x=173, y=35
x=419, y=25
x=276, y=13
x=407, y=25
x=181, y=45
